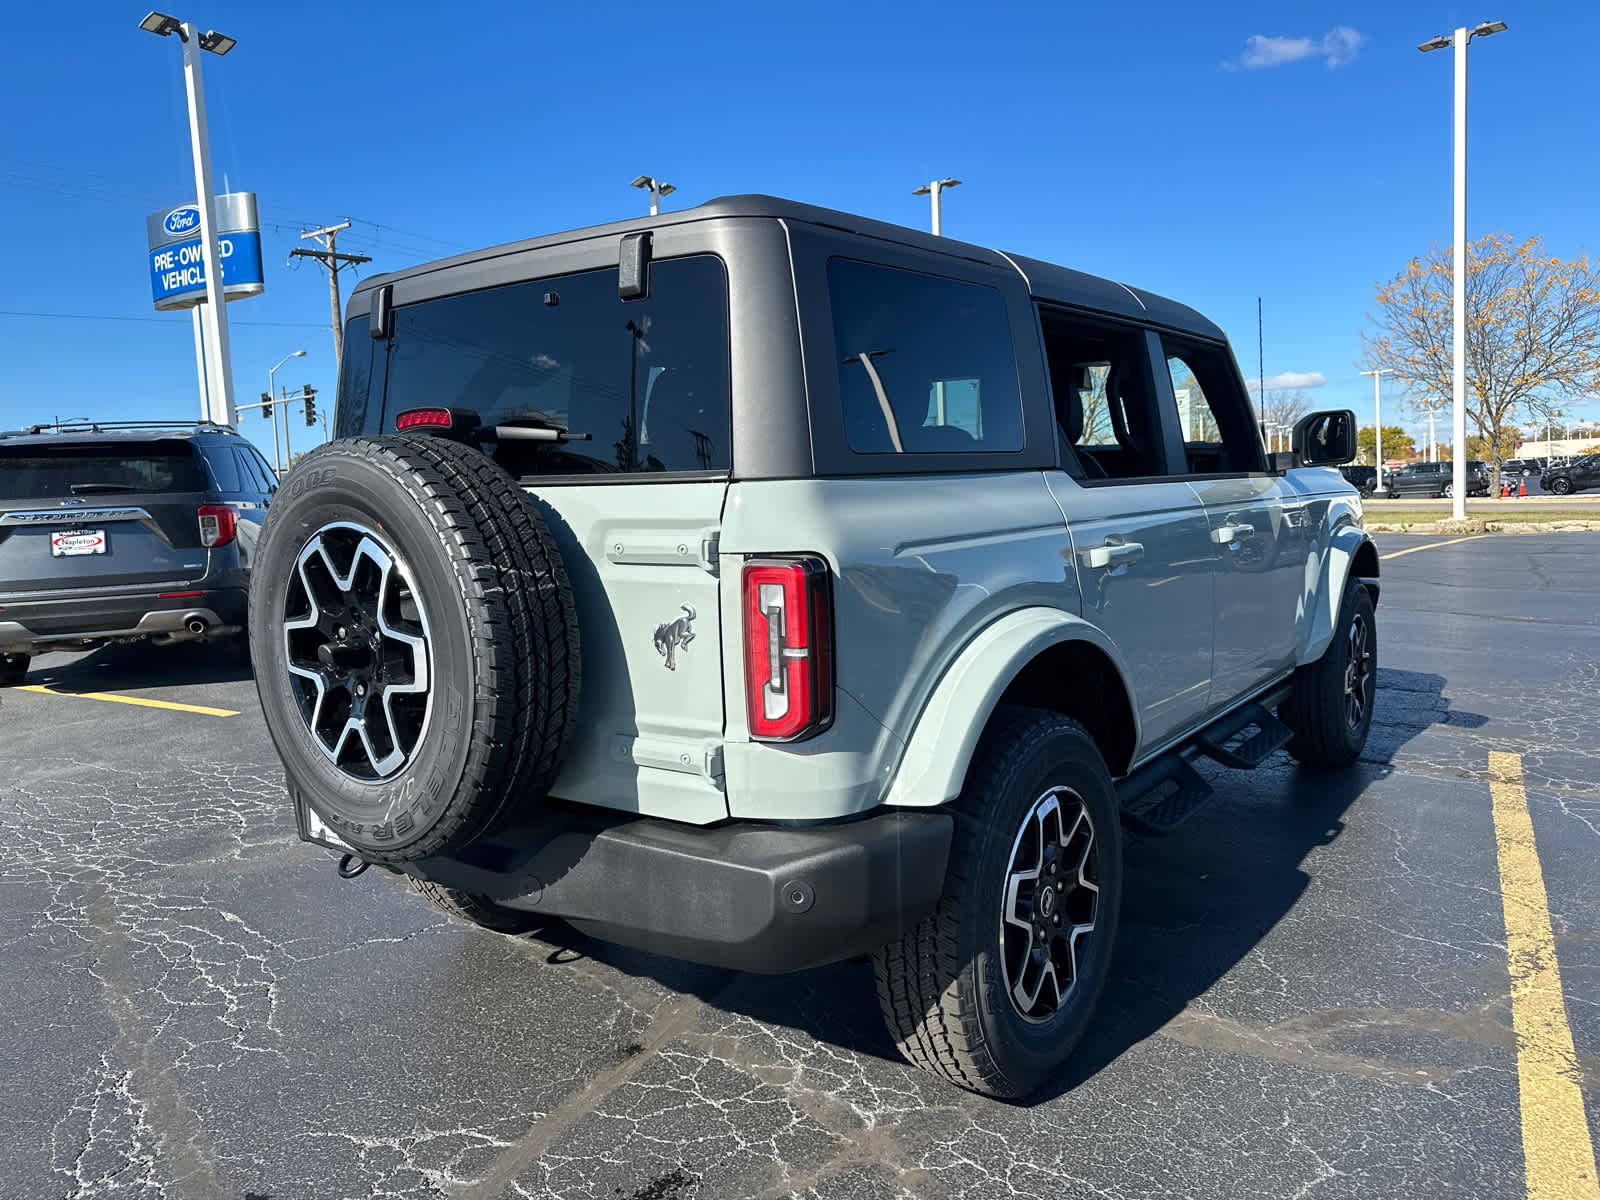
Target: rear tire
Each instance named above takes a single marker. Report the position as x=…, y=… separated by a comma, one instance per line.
x=476, y=909
x=1331, y=700
x=14, y=669
x=1038, y=806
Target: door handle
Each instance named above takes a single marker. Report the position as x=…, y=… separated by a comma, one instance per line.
x=1113, y=554
x=1224, y=535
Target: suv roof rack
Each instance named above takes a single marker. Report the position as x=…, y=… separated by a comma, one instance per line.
x=106, y=426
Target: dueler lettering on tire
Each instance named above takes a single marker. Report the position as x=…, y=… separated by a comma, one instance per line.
x=415, y=642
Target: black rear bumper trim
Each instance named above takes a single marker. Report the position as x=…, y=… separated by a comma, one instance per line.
x=746, y=896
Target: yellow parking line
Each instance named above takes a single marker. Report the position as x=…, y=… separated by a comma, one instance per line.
x=1555, y=1133
x=1474, y=537
x=202, y=709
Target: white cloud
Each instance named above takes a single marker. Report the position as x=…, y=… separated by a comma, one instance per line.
x=1338, y=46
x=1290, y=381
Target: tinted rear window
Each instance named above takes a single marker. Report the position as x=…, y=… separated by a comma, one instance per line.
x=647, y=379
x=41, y=472
x=925, y=363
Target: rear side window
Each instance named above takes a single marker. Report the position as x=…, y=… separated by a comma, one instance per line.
x=647, y=380
x=43, y=472
x=223, y=469
x=925, y=363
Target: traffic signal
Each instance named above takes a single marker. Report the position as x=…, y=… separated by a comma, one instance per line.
x=311, y=403
x=266, y=405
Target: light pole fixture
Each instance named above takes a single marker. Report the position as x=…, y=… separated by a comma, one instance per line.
x=657, y=190
x=933, y=189
x=273, y=396
x=1458, y=456
x=1377, y=418
x=220, y=382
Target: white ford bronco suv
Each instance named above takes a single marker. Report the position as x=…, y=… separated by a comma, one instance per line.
x=899, y=574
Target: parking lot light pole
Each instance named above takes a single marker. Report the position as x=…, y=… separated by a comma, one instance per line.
x=1377, y=418
x=933, y=189
x=219, y=388
x=1458, y=453
x=657, y=190
x=276, y=406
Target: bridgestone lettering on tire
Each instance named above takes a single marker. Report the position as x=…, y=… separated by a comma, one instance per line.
x=415, y=643
x=997, y=986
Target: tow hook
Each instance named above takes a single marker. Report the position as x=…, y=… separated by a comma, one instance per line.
x=351, y=865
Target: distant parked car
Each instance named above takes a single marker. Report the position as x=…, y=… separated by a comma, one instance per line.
x=1524, y=466
x=118, y=532
x=1574, y=477
x=1365, y=479
x=1434, y=480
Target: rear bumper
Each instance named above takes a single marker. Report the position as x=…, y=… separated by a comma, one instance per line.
x=746, y=896
x=33, y=627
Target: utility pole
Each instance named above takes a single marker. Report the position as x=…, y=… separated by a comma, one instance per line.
x=330, y=257
x=1377, y=419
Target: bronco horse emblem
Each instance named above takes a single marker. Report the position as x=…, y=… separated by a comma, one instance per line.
x=672, y=636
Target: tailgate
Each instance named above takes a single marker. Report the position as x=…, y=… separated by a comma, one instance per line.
x=643, y=566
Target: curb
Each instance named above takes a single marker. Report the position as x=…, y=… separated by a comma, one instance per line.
x=1471, y=526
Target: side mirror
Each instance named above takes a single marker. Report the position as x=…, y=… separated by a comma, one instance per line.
x=1325, y=439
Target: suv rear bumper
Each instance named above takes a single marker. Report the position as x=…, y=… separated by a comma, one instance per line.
x=751, y=897
x=34, y=627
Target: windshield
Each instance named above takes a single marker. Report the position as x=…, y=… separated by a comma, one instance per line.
x=57, y=472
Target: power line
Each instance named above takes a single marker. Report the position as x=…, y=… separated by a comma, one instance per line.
x=54, y=316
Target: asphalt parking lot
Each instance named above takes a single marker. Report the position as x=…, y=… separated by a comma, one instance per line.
x=1313, y=991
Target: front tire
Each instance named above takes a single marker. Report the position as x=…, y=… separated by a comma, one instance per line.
x=1560, y=487
x=996, y=987
x=1331, y=700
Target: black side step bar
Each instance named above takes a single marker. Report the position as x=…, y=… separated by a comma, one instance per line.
x=1228, y=743
x=1161, y=795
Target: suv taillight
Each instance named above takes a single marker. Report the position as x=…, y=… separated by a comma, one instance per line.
x=788, y=648
x=218, y=523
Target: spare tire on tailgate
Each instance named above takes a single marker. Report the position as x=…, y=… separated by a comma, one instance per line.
x=415, y=643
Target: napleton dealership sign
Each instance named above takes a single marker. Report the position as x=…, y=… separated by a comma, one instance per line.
x=177, y=264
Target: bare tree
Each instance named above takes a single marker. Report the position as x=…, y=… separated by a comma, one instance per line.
x=1532, y=332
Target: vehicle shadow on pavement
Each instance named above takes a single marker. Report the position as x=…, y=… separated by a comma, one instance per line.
x=122, y=667
x=1196, y=904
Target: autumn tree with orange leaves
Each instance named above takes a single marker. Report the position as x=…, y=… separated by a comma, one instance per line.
x=1533, y=333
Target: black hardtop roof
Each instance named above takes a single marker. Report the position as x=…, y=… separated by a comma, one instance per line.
x=103, y=432
x=1046, y=281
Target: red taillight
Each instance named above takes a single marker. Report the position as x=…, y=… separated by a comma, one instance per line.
x=218, y=523
x=788, y=648
x=423, y=418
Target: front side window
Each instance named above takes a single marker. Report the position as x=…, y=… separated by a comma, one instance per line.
x=1214, y=415
x=647, y=379
x=925, y=363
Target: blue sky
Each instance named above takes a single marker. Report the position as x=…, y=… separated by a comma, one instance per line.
x=1159, y=143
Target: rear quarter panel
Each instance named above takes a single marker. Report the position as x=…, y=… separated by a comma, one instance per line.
x=920, y=566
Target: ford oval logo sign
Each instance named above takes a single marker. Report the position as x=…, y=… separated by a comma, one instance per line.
x=182, y=220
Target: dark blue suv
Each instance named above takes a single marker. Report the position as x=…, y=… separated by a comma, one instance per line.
x=117, y=532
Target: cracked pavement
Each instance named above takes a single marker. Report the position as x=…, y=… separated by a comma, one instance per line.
x=1309, y=998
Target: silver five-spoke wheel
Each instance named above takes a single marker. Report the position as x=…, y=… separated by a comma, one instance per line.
x=1050, y=902
x=356, y=640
